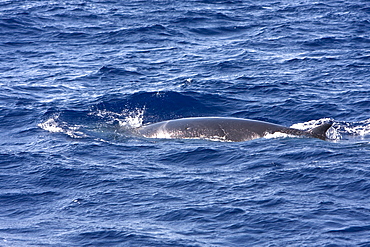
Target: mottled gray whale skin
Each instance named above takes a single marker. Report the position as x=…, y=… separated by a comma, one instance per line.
x=223, y=129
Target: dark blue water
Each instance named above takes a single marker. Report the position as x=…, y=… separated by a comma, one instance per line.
x=76, y=76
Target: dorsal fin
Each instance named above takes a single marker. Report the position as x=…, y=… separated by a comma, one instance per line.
x=320, y=131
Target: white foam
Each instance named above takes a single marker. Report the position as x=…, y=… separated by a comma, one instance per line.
x=359, y=129
x=166, y=135
x=277, y=135
x=162, y=134
x=51, y=125
x=54, y=125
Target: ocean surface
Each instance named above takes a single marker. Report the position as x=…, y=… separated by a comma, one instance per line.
x=77, y=77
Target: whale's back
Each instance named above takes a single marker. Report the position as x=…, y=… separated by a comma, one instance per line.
x=214, y=128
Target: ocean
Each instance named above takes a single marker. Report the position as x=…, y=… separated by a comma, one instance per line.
x=77, y=77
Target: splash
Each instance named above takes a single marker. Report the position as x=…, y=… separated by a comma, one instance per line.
x=51, y=125
x=100, y=125
x=126, y=119
x=133, y=119
x=54, y=125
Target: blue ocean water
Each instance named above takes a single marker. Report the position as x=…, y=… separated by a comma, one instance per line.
x=76, y=76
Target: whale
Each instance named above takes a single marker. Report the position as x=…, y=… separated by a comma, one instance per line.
x=226, y=129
